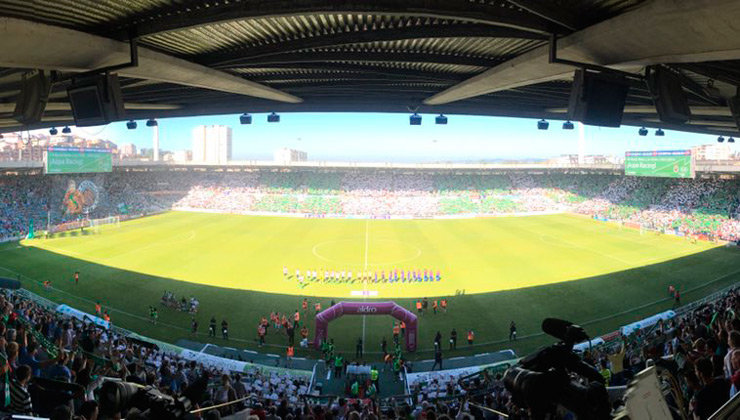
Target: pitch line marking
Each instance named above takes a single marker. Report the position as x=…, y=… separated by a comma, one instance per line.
x=13, y=248
x=318, y=255
x=603, y=318
x=191, y=235
x=364, y=284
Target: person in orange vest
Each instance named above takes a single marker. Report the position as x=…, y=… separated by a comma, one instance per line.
x=97, y=308
x=305, y=304
x=434, y=307
x=418, y=306
x=444, y=305
x=471, y=337
x=289, y=353
x=396, y=332
x=106, y=317
x=317, y=306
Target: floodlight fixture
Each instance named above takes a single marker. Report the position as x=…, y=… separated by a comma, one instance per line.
x=415, y=119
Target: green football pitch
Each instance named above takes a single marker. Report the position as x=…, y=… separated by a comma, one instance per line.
x=493, y=271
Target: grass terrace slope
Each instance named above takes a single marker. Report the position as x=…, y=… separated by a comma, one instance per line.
x=602, y=270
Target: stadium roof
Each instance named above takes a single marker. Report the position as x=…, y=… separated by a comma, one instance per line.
x=482, y=57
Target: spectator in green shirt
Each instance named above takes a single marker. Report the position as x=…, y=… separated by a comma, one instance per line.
x=338, y=365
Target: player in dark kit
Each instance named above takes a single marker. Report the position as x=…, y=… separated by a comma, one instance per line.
x=212, y=327
x=512, y=331
x=225, y=329
x=77, y=278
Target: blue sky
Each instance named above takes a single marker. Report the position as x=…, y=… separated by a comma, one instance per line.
x=389, y=137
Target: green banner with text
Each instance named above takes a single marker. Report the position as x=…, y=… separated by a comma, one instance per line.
x=70, y=160
x=664, y=164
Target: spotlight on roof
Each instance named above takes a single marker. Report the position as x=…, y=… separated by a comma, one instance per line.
x=245, y=118
x=659, y=132
x=66, y=130
x=1, y=135
x=731, y=140
x=642, y=131
x=720, y=139
x=53, y=131
x=273, y=118
x=568, y=125
x=543, y=125
x=441, y=120
x=151, y=122
x=131, y=125
x=415, y=119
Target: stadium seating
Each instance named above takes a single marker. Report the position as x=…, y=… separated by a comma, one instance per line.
x=688, y=207
x=700, y=206
x=40, y=338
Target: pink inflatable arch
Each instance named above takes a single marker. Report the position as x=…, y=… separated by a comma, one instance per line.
x=366, y=308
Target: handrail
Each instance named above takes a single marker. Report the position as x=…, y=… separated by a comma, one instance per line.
x=311, y=383
x=729, y=410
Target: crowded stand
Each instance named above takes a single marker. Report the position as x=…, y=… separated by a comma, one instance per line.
x=702, y=206
x=57, y=366
x=54, y=366
x=42, y=350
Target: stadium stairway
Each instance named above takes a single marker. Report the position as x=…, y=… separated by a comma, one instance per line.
x=327, y=384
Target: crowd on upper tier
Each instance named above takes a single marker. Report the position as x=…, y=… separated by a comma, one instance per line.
x=686, y=206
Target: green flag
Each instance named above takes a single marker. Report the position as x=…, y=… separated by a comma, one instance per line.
x=30, y=230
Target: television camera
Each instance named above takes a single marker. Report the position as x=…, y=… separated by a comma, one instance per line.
x=556, y=377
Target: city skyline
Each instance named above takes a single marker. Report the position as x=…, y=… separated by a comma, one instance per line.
x=389, y=137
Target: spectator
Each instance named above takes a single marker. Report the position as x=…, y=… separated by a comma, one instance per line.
x=714, y=392
x=20, y=398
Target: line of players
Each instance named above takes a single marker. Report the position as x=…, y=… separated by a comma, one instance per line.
x=347, y=276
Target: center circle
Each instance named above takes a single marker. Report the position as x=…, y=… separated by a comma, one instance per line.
x=353, y=253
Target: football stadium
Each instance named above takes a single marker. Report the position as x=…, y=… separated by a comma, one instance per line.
x=499, y=267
